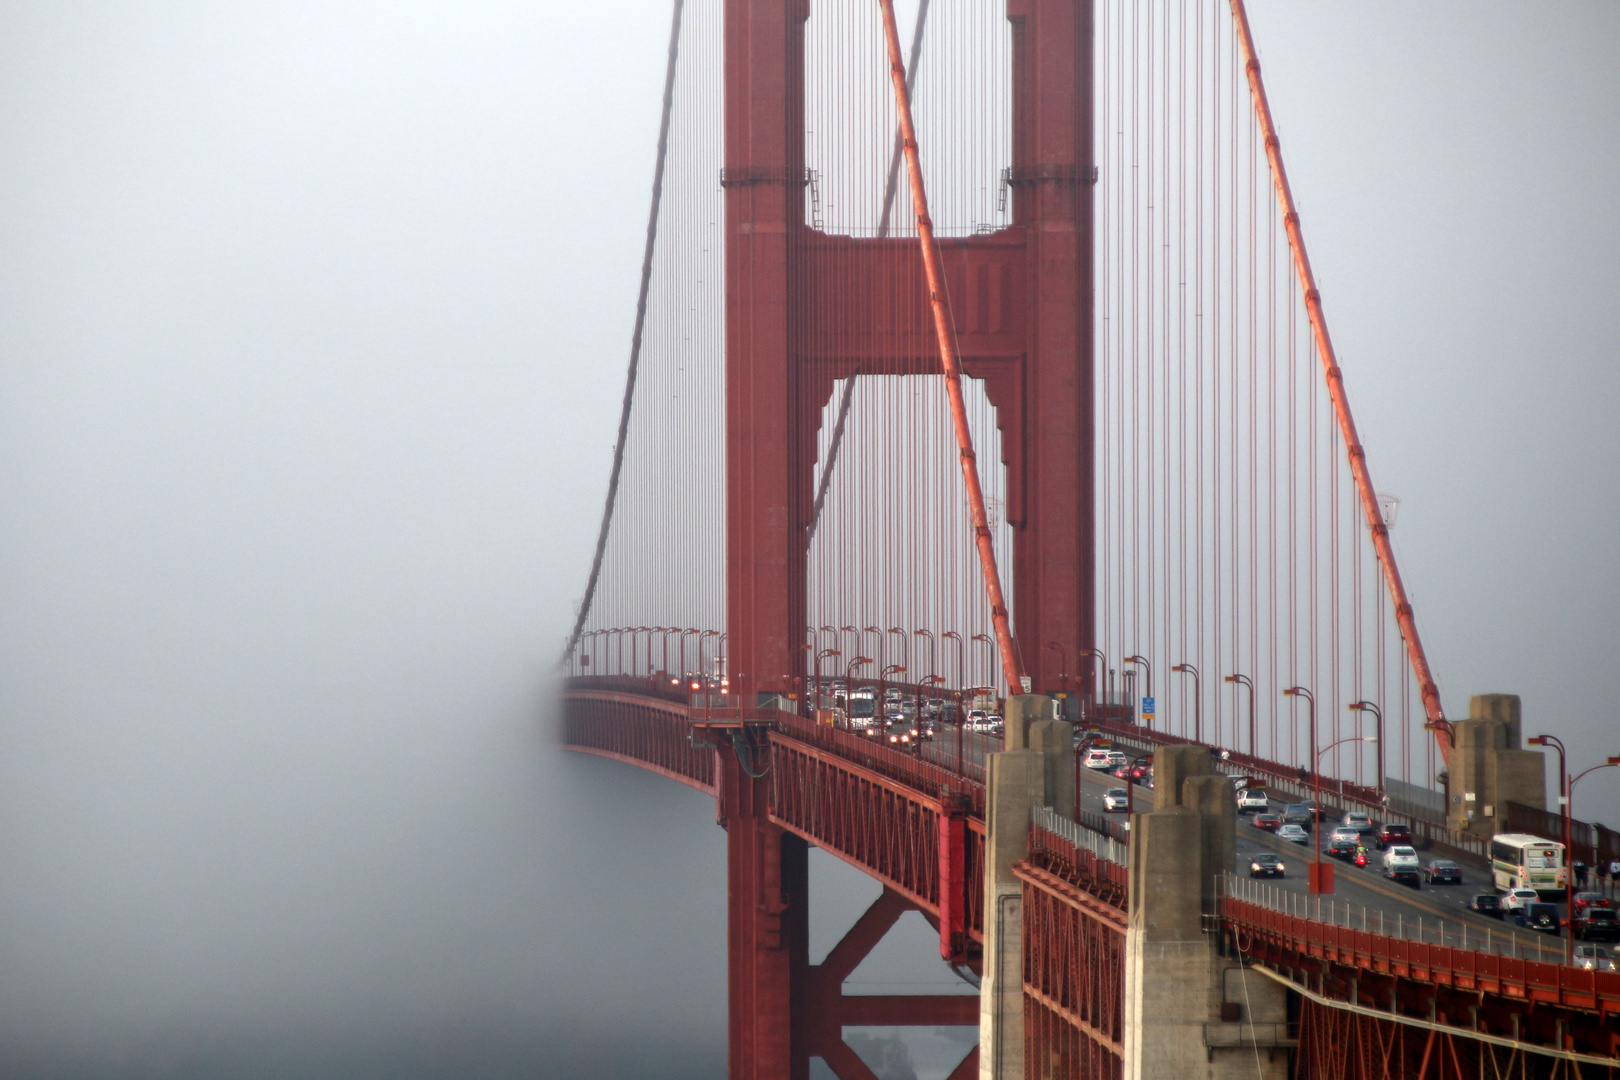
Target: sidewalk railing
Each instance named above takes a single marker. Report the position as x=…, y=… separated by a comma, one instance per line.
x=1082, y=837
x=1451, y=934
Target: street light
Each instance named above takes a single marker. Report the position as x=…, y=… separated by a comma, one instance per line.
x=883, y=690
x=1149, y=669
x=849, y=693
x=683, y=649
x=1063, y=662
x=851, y=630
x=1198, y=700
x=961, y=665
x=1563, y=807
x=1378, y=716
x=1566, y=794
x=988, y=641
x=703, y=672
x=1099, y=690
x=1315, y=883
x=1608, y=764
x=1243, y=680
x=819, y=696
x=933, y=648
x=936, y=681
x=905, y=643
x=877, y=652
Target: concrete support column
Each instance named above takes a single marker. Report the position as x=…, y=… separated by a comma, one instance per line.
x=1015, y=781
x=1489, y=766
x=1176, y=983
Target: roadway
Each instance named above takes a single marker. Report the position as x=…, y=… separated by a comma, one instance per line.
x=1361, y=894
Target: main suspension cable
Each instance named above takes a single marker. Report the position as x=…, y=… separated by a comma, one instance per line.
x=635, y=336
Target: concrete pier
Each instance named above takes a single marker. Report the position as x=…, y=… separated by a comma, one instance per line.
x=1036, y=769
x=1189, y=1012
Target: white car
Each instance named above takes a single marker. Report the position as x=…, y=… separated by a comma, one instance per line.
x=1097, y=759
x=1115, y=798
x=978, y=720
x=1292, y=833
x=1253, y=798
x=1593, y=958
x=1515, y=899
x=1401, y=864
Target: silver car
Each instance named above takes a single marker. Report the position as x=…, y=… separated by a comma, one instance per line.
x=1593, y=958
x=1116, y=798
x=1292, y=833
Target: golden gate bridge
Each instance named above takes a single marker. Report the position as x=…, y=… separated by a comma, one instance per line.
x=978, y=363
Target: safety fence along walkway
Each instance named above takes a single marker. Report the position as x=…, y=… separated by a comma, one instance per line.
x=1444, y=979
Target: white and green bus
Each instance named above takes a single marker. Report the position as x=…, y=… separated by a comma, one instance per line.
x=1522, y=861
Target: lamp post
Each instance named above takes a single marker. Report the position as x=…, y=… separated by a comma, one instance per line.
x=883, y=689
x=1198, y=700
x=703, y=672
x=1063, y=665
x=1243, y=680
x=933, y=667
x=905, y=644
x=986, y=639
x=1148, y=668
x=849, y=692
x=833, y=630
x=1378, y=718
x=820, y=703
x=1563, y=808
x=683, y=648
x=648, y=630
x=935, y=681
x=1608, y=764
x=1316, y=779
x=850, y=630
x=933, y=649
x=1098, y=689
x=877, y=652
x=961, y=666
x=1315, y=830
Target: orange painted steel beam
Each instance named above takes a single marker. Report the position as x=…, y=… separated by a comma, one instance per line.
x=1335, y=386
x=939, y=302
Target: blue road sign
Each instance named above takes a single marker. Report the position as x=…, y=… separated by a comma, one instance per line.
x=1147, y=706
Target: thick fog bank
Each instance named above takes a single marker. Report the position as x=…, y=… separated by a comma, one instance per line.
x=443, y=895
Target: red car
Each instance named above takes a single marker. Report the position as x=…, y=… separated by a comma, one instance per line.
x=1584, y=900
x=1393, y=832
x=1268, y=822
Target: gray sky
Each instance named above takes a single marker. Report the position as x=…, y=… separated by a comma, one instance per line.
x=312, y=328
x=1452, y=162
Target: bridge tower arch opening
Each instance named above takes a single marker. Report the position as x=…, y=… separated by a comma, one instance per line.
x=809, y=308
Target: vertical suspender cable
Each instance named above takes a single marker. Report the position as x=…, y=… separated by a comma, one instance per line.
x=940, y=304
x=1335, y=386
x=635, y=336
x=883, y=230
